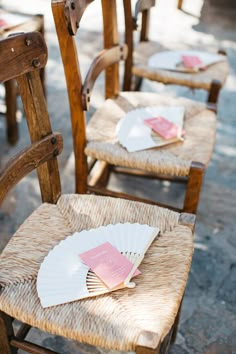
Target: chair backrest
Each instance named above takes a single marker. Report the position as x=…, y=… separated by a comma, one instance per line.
x=22, y=55
x=67, y=15
x=142, y=7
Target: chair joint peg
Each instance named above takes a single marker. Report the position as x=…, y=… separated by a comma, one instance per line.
x=36, y=63
x=28, y=41
x=53, y=140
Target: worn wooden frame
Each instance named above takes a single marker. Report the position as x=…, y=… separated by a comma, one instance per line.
x=41, y=154
x=25, y=68
x=35, y=23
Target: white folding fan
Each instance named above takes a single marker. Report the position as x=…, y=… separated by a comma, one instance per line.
x=63, y=277
x=135, y=135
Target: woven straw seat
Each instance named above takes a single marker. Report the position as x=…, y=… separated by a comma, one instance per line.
x=198, y=80
x=111, y=321
x=174, y=159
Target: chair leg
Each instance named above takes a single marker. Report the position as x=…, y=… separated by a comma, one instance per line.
x=180, y=4
x=103, y=180
x=137, y=83
x=193, y=188
x=162, y=348
x=144, y=350
x=6, y=332
x=12, y=127
x=165, y=345
x=176, y=325
x=214, y=91
x=102, y=175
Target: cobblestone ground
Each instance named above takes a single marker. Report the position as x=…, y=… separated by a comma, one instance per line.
x=208, y=319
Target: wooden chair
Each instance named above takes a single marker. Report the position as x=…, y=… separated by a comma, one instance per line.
x=140, y=319
x=136, y=66
x=185, y=162
x=29, y=23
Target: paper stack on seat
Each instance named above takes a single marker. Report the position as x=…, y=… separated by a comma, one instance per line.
x=173, y=60
x=135, y=135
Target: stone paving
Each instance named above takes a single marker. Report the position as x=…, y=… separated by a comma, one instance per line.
x=208, y=319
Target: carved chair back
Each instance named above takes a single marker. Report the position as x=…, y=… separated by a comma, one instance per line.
x=22, y=57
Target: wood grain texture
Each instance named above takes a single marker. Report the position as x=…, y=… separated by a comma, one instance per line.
x=180, y=4
x=129, y=27
x=106, y=58
x=29, y=159
x=145, y=25
x=193, y=188
x=39, y=126
x=21, y=54
x=110, y=38
x=141, y=7
x=74, y=87
x=33, y=23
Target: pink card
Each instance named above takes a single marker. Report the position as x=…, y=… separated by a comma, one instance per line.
x=192, y=61
x=108, y=264
x=163, y=127
x=3, y=23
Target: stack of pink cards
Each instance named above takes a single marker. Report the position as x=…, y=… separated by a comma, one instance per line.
x=163, y=127
x=109, y=265
x=193, y=62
